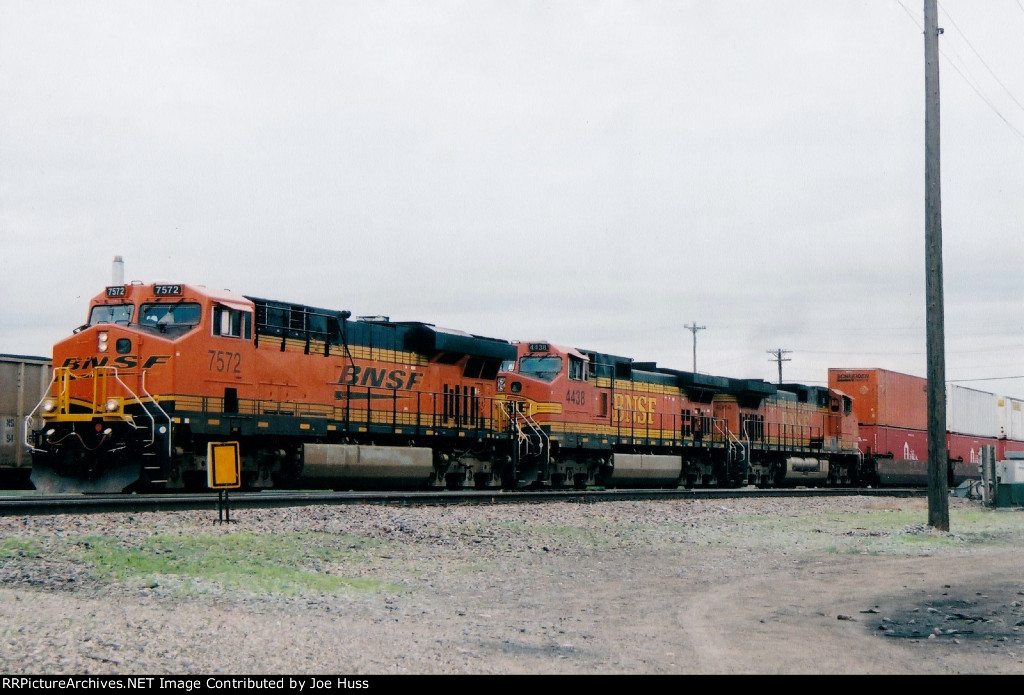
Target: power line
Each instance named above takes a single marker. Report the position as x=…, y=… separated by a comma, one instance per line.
x=985, y=378
x=970, y=82
x=991, y=72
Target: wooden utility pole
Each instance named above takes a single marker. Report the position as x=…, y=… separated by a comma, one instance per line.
x=778, y=354
x=938, y=457
x=693, y=329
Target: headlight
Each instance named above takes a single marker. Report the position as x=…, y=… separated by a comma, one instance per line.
x=101, y=341
x=49, y=405
x=112, y=405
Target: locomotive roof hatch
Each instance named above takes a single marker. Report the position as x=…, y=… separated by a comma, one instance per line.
x=750, y=392
x=608, y=366
x=815, y=395
x=700, y=388
x=428, y=339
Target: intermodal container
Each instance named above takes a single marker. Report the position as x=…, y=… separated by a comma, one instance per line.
x=884, y=398
x=1011, y=418
x=971, y=412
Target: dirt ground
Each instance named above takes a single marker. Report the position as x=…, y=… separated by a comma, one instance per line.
x=611, y=588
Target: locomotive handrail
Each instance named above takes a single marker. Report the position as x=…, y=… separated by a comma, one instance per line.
x=542, y=437
x=516, y=417
x=130, y=420
x=736, y=447
x=28, y=418
x=106, y=372
x=142, y=387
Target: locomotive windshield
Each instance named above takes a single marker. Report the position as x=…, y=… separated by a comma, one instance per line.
x=111, y=313
x=545, y=368
x=167, y=315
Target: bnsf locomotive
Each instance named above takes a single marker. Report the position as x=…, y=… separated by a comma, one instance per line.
x=316, y=398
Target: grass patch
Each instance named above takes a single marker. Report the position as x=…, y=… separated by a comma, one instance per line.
x=14, y=547
x=259, y=563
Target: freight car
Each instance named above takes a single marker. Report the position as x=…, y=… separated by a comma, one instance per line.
x=23, y=380
x=317, y=398
x=891, y=409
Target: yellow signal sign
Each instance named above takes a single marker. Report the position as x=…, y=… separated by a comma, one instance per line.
x=224, y=465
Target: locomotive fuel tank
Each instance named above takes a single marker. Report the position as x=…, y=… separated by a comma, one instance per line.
x=806, y=470
x=644, y=470
x=345, y=466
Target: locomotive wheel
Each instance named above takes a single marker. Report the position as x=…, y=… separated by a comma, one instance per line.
x=194, y=481
x=453, y=481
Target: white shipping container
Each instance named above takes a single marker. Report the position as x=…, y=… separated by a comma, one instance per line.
x=971, y=412
x=1011, y=418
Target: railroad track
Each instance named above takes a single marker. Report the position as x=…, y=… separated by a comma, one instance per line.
x=31, y=503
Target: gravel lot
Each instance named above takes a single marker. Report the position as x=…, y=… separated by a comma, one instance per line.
x=794, y=586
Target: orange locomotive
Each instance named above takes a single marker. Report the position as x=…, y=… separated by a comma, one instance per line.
x=591, y=418
x=315, y=398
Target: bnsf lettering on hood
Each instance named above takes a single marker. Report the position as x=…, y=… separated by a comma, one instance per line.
x=124, y=361
x=355, y=375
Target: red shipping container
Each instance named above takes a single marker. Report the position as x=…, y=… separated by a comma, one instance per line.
x=884, y=398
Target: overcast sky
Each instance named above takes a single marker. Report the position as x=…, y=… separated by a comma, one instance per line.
x=596, y=174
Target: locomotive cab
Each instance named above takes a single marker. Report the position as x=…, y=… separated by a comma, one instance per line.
x=546, y=388
x=111, y=401
x=587, y=418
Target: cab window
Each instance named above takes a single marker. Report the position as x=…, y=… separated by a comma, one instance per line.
x=545, y=368
x=170, y=315
x=111, y=313
x=577, y=372
x=232, y=323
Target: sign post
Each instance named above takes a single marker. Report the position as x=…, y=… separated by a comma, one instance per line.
x=223, y=473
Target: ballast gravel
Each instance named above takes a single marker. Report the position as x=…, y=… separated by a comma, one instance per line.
x=850, y=584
